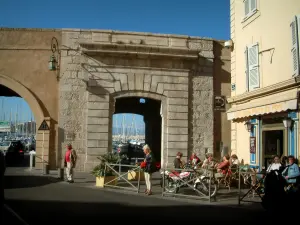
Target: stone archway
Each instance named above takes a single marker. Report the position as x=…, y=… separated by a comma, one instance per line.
x=163, y=114
x=26, y=94
x=42, y=139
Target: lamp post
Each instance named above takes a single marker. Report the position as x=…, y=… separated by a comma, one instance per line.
x=53, y=63
x=248, y=126
x=287, y=122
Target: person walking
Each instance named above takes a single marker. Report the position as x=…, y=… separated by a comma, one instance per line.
x=70, y=163
x=149, y=160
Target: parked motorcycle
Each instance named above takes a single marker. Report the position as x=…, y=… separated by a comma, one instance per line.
x=204, y=183
x=175, y=180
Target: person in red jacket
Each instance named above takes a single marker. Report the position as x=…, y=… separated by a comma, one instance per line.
x=70, y=162
x=223, y=167
x=194, y=159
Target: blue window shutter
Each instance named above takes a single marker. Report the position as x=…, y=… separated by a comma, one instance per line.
x=247, y=7
x=253, y=68
x=295, y=47
x=246, y=69
x=253, y=6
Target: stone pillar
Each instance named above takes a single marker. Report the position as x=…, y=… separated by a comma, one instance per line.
x=110, y=117
x=99, y=126
x=42, y=146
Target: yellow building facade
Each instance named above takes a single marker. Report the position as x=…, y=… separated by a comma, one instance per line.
x=265, y=81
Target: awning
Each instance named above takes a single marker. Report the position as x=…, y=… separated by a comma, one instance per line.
x=247, y=110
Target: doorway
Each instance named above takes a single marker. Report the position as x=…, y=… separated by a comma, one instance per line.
x=150, y=110
x=273, y=144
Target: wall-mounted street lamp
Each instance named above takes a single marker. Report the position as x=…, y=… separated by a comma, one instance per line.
x=248, y=126
x=54, y=58
x=287, y=122
x=52, y=63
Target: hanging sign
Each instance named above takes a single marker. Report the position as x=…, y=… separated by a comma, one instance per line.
x=252, y=145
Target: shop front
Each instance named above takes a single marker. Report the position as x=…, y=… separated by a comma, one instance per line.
x=270, y=128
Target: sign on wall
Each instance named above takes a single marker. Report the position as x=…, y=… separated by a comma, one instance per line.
x=5, y=126
x=44, y=126
x=252, y=145
x=220, y=103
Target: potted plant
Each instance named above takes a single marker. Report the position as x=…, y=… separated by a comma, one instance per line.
x=104, y=174
x=134, y=174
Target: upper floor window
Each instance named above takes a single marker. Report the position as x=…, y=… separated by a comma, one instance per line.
x=250, y=7
x=295, y=30
x=252, y=67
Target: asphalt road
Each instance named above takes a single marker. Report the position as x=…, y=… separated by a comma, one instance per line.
x=39, y=200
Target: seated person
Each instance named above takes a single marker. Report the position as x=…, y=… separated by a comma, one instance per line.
x=178, y=163
x=275, y=165
x=209, y=162
x=194, y=159
x=291, y=173
x=222, y=168
x=234, y=162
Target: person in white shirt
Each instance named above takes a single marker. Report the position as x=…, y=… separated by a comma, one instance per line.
x=275, y=165
x=234, y=160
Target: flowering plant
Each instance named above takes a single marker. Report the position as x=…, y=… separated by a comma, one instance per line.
x=143, y=165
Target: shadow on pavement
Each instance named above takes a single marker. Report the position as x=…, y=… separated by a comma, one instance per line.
x=90, y=213
x=12, y=182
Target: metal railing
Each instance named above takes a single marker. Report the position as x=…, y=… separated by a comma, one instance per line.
x=136, y=160
x=118, y=176
x=253, y=180
x=202, y=184
x=187, y=180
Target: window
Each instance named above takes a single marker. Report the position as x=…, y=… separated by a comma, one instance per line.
x=250, y=7
x=251, y=68
x=295, y=29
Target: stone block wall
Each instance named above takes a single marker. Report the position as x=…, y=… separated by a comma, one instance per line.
x=202, y=114
x=99, y=66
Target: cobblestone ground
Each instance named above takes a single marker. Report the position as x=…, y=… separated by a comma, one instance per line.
x=36, y=198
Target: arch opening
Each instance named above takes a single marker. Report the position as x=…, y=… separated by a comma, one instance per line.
x=25, y=126
x=15, y=88
x=17, y=128
x=147, y=110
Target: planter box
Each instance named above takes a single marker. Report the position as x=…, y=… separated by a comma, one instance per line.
x=134, y=175
x=100, y=181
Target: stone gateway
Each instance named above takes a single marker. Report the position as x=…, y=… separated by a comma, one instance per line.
x=101, y=72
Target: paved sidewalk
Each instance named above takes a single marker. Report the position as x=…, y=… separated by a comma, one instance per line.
x=86, y=180
x=41, y=199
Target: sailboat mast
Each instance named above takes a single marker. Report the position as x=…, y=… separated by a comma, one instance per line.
x=2, y=109
x=117, y=127
x=21, y=120
x=31, y=123
x=10, y=118
x=134, y=126
x=123, y=127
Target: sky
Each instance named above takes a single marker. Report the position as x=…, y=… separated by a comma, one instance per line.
x=190, y=17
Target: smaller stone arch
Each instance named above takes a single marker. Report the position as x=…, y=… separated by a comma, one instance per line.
x=42, y=138
x=163, y=113
x=22, y=91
